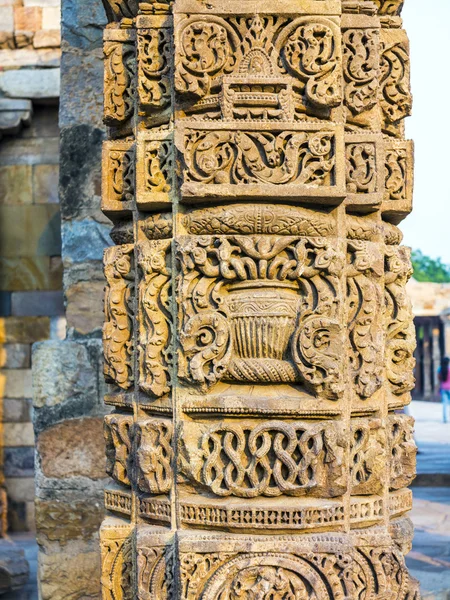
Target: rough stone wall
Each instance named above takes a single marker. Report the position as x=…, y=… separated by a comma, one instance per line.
x=68, y=386
x=258, y=336
x=30, y=240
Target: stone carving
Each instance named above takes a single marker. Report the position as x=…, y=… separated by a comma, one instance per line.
x=153, y=76
x=118, y=327
x=258, y=337
x=119, y=74
x=154, y=456
x=155, y=327
x=252, y=157
x=268, y=459
x=361, y=68
x=246, y=335
x=118, y=433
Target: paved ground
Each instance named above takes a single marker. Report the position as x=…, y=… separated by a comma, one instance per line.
x=429, y=560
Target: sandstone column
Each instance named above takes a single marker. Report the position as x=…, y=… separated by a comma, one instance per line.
x=258, y=339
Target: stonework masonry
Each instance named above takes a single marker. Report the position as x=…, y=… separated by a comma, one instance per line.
x=258, y=339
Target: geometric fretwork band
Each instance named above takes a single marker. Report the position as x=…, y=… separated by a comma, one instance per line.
x=258, y=338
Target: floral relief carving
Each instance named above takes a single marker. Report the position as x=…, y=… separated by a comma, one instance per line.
x=154, y=56
x=364, y=302
x=259, y=218
x=116, y=549
x=155, y=326
x=403, y=450
x=154, y=455
x=158, y=164
x=119, y=312
x=361, y=65
x=155, y=573
x=395, y=98
x=361, y=168
x=233, y=157
x=119, y=73
x=396, y=173
x=229, y=333
x=401, y=338
x=389, y=7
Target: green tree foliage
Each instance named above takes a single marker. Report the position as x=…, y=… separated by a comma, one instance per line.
x=429, y=269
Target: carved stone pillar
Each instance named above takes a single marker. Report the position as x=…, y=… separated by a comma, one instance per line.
x=258, y=338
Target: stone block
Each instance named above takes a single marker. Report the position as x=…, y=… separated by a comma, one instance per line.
x=15, y=59
x=32, y=273
x=30, y=230
x=50, y=38
x=62, y=371
x=45, y=184
x=14, y=567
x=7, y=40
x=51, y=17
x=71, y=573
x=60, y=521
x=23, y=330
x=84, y=240
x=19, y=462
x=16, y=410
x=20, y=489
x=16, y=383
x=15, y=356
x=15, y=183
x=44, y=303
x=30, y=83
x=6, y=19
x=5, y=304
x=73, y=448
x=84, y=306
x=18, y=435
x=28, y=18
x=25, y=151
x=42, y=3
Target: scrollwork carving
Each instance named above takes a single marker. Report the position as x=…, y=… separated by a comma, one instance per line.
x=361, y=168
x=367, y=456
x=403, y=451
x=119, y=73
x=395, y=95
x=251, y=157
x=119, y=312
x=118, y=436
x=361, y=68
x=154, y=55
x=155, y=326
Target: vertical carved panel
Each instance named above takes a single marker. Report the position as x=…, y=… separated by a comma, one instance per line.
x=258, y=337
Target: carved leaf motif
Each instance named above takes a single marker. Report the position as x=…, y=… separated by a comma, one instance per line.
x=117, y=568
x=361, y=168
x=311, y=51
x=118, y=435
x=155, y=330
x=260, y=157
x=205, y=51
x=118, y=325
x=154, y=53
x=367, y=456
x=158, y=166
x=401, y=339
x=361, y=68
x=155, y=568
x=389, y=7
x=119, y=73
x=395, y=174
x=403, y=451
x=121, y=175
x=396, y=100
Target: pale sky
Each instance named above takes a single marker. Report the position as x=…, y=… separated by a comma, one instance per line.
x=428, y=27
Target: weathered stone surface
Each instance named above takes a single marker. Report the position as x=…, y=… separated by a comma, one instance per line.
x=60, y=522
x=264, y=347
x=73, y=448
x=70, y=573
x=29, y=231
x=47, y=39
x=14, y=567
x=84, y=240
x=17, y=383
x=26, y=304
x=84, y=312
x=62, y=372
x=16, y=410
x=27, y=18
x=30, y=83
x=18, y=434
x=20, y=489
x=16, y=184
x=23, y=331
x=19, y=462
x=16, y=59
x=45, y=184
